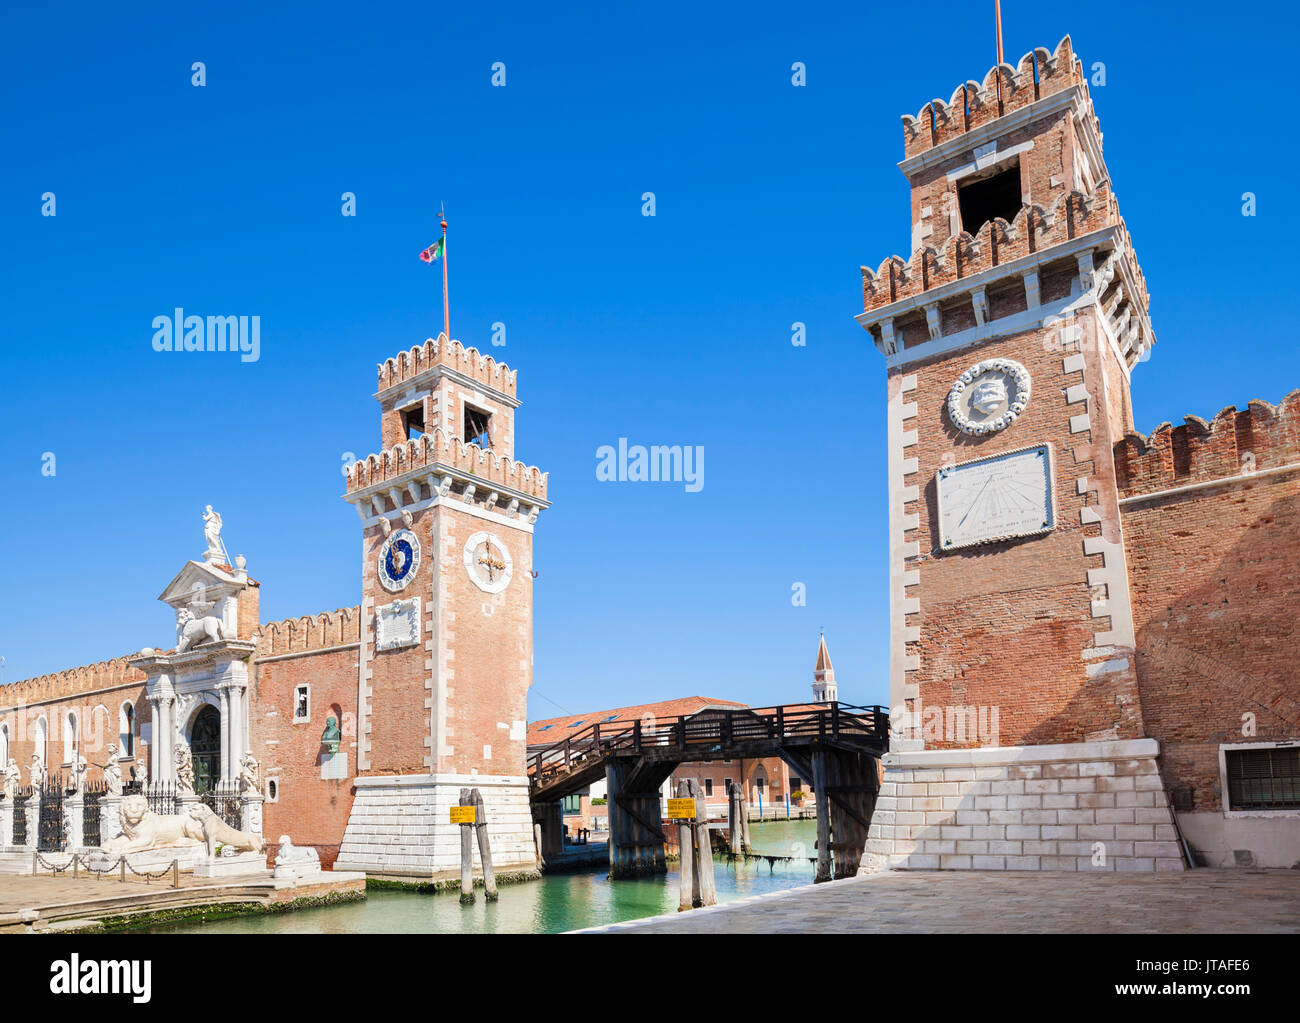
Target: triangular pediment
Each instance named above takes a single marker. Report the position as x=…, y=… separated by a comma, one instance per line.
x=200, y=580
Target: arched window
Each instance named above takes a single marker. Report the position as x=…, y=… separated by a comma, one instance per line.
x=71, y=738
x=40, y=738
x=4, y=745
x=126, y=730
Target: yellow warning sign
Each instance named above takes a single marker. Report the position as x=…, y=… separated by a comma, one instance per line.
x=681, y=809
x=462, y=815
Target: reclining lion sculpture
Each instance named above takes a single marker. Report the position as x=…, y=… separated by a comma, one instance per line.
x=144, y=830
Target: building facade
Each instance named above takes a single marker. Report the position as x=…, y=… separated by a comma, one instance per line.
x=1087, y=665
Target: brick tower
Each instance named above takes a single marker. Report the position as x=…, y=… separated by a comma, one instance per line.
x=1009, y=336
x=447, y=614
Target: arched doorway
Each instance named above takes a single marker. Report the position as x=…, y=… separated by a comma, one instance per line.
x=205, y=748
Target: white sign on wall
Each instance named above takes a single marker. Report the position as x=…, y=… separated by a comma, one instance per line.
x=397, y=624
x=998, y=498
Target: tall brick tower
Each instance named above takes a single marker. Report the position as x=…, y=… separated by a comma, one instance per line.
x=447, y=614
x=1009, y=335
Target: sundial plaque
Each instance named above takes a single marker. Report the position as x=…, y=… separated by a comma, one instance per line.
x=1002, y=497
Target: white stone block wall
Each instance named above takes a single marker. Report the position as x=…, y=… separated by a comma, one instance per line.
x=401, y=825
x=1073, y=806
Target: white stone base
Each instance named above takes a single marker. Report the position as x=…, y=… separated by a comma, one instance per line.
x=1073, y=806
x=155, y=860
x=239, y=865
x=307, y=870
x=401, y=824
x=15, y=859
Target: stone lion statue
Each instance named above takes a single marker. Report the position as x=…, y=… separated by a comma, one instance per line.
x=194, y=631
x=143, y=830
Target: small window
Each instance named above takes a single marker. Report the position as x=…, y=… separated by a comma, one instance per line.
x=545, y=728
x=708, y=786
x=272, y=790
x=795, y=784
x=726, y=785
x=612, y=717
x=572, y=805
x=997, y=195
x=478, y=425
x=301, y=703
x=1263, y=779
x=413, y=421
x=577, y=723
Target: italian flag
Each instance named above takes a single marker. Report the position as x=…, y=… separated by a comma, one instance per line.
x=434, y=251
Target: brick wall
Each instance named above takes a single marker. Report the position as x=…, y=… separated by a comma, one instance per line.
x=1216, y=583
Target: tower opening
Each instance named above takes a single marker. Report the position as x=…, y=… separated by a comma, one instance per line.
x=478, y=427
x=413, y=421
x=997, y=195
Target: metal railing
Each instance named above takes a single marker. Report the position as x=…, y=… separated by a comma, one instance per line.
x=50, y=836
x=20, y=815
x=711, y=730
x=162, y=798
x=92, y=798
x=223, y=800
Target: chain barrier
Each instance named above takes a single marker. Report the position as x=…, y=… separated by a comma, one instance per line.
x=122, y=865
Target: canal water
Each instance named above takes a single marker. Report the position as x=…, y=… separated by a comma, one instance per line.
x=559, y=902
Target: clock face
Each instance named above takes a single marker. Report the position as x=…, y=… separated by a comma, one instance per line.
x=996, y=498
x=399, y=559
x=488, y=562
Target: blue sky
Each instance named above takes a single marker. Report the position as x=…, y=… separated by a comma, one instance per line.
x=674, y=329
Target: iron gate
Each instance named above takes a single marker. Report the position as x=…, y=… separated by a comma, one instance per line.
x=92, y=798
x=162, y=798
x=223, y=800
x=20, y=815
x=50, y=836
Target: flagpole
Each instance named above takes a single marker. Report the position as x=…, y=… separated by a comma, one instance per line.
x=997, y=17
x=446, y=299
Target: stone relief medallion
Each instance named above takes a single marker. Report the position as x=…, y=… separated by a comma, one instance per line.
x=399, y=560
x=488, y=562
x=989, y=396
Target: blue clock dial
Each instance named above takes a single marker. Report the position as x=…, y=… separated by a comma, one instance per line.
x=399, y=559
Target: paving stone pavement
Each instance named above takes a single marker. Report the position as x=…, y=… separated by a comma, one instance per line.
x=995, y=902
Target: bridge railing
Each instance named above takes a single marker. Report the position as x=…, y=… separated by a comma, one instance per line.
x=708, y=729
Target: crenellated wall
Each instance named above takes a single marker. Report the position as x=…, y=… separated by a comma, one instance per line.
x=1263, y=436
x=310, y=632
x=71, y=682
x=452, y=354
x=1038, y=75
x=437, y=447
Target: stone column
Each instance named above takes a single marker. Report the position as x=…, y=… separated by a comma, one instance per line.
x=110, y=821
x=33, y=818
x=238, y=725
x=229, y=765
x=156, y=739
x=251, y=807
x=74, y=816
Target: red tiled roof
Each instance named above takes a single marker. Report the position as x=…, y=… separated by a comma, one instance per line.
x=553, y=729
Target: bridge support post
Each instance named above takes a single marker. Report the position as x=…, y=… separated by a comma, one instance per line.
x=823, y=817
x=636, y=838
x=548, y=827
x=851, y=788
x=738, y=819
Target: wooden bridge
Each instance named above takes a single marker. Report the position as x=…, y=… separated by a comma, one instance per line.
x=833, y=744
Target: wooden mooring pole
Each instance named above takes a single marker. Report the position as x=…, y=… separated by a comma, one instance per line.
x=823, y=817
x=466, y=854
x=484, y=848
x=697, y=883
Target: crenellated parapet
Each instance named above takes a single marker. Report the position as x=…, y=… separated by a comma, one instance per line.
x=1038, y=74
x=71, y=682
x=1033, y=229
x=306, y=633
x=410, y=365
x=439, y=449
x=1260, y=438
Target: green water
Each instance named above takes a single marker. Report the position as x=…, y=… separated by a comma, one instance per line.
x=560, y=902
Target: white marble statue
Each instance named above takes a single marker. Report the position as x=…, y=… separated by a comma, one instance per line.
x=144, y=830
x=113, y=772
x=77, y=780
x=37, y=770
x=212, y=533
x=13, y=778
x=290, y=853
x=184, y=770
x=248, y=775
x=192, y=631
x=141, y=771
